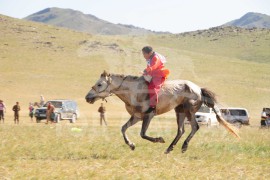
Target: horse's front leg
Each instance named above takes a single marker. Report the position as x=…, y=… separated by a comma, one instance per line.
x=146, y=121
x=133, y=120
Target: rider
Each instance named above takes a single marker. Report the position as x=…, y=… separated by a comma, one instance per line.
x=155, y=69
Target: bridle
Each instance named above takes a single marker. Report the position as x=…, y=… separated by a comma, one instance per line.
x=109, y=92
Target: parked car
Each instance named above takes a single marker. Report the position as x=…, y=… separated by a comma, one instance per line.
x=206, y=116
x=64, y=109
x=235, y=115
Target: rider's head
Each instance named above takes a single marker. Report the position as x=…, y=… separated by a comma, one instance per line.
x=147, y=52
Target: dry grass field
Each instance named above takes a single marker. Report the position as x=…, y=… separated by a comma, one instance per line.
x=59, y=63
x=39, y=151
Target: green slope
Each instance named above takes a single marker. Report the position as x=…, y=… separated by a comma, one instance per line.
x=59, y=63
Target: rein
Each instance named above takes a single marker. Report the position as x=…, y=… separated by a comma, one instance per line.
x=120, y=84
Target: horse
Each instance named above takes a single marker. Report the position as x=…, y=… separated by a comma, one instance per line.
x=183, y=96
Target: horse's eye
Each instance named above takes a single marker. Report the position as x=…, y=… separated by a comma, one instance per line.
x=99, y=85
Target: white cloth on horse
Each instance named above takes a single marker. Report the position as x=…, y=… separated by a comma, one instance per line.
x=147, y=78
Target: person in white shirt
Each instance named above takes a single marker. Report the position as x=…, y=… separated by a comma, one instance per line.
x=42, y=101
x=263, y=117
x=2, y=110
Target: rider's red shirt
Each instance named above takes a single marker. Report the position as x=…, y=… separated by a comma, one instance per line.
x=155, y=67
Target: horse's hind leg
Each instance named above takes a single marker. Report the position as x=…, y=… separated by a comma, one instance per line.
x=195, y=127
x=133, y=120
x=146, y=121
x=180, y=117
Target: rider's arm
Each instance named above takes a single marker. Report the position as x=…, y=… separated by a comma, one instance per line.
x=155, y=63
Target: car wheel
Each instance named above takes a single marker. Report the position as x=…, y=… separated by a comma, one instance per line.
x=73, y=119
x=237, y=124
x=58, y=118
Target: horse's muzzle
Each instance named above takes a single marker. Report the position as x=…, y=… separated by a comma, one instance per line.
x=90, y=99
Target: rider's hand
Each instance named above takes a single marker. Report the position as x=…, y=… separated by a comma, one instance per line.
x=141, y=72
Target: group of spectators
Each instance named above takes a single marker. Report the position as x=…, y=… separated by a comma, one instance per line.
x=49, y=113
x=16, y=109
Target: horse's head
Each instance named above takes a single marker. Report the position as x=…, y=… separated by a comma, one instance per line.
x=101, y=89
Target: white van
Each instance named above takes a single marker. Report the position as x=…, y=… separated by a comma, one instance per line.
x=235, y=115
x=206, y=116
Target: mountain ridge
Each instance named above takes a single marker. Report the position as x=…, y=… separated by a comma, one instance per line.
x=251, y=20
x=79, y=21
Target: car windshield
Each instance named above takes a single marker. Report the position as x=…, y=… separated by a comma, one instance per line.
x=204, y=109
x=238, y=112
x=56, y=104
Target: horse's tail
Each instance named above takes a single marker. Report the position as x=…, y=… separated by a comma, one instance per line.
x=209, y=99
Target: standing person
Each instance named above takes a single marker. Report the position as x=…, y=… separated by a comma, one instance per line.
x=102, y=111
x=42, y=101
x=158, y=74
x=31, y=111
x=16, y=108
x=263, y=117
x=49, y=112
x=2, y=110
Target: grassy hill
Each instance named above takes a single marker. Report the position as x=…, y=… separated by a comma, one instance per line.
x=251, y=20
x=59, y=63
x=231, y=42
x=76, y=20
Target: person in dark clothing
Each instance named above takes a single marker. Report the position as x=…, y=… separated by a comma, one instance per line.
x=16, y=108
x=102, y=111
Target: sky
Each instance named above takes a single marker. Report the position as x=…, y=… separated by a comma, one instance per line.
x=160, y=15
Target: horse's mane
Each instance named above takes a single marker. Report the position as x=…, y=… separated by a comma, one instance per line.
x=127, y=77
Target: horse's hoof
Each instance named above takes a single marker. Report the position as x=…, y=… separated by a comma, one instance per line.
x=167, y=151
x=184, y=149
x=161, y=140
x=132, y=147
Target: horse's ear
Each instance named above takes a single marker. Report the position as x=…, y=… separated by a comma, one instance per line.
x=104, y=74
x=110, y=79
